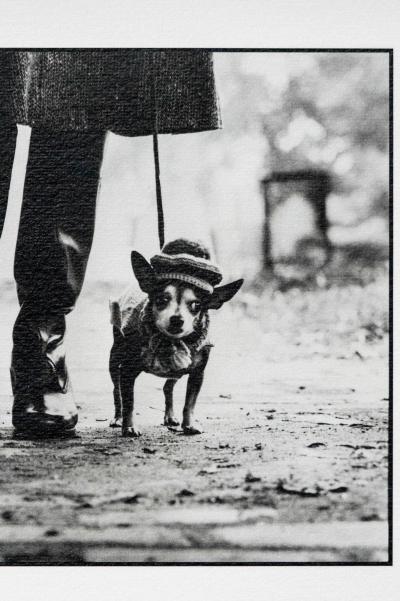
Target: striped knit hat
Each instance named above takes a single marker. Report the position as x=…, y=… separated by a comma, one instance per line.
x=187, y=261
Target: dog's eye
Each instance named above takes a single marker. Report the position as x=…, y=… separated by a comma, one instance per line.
x=162, y=301
x=194, y=306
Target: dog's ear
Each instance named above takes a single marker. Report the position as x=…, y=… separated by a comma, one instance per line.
x=222, y=294
x=143, y=271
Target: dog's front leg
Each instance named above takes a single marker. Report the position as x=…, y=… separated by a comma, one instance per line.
x=128, y=376
x=169, y=417
x=194, y=384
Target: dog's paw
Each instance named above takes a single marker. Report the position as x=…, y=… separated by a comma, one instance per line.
x=170, y=420
x=191, y=430
x=116, y=422
x=131, y=432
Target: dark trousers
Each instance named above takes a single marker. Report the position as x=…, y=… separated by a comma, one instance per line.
x=54, y=240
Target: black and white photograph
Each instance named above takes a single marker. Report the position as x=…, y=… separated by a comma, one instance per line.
x=196, y=303
x=194, y=307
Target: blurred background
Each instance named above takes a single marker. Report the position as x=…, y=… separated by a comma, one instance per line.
x=320, y=118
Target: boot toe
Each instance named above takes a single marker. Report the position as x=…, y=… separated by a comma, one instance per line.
x=43, y=424
x=45, y=418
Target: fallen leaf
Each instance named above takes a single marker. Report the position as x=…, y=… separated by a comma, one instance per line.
x=128, y=498
x=216, y=499
x=108, y=451
x=208, y=470
x=339, y=489
x=51, y=532
x=371, y=517
x=185, y=493
x=302, y=491
x=258, y=514
x=250, y=478
x=314, y=445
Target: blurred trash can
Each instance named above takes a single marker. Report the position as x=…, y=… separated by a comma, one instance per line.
x=295, y=232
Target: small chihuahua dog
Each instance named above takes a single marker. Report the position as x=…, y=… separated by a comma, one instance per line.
x=166, y=332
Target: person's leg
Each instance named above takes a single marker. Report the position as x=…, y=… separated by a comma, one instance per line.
x=54, y=241
x=8, y=138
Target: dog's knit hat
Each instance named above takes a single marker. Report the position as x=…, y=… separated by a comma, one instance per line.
x=187, y=261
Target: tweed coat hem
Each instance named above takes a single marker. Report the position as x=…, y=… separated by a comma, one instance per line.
x=131, y=92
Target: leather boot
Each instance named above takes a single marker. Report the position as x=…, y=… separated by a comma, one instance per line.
x=54, y=240
x=43, y=399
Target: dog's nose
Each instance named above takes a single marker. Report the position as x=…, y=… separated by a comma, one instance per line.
x=176, y=321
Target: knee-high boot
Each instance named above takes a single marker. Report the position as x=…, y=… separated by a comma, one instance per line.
x=54, y=241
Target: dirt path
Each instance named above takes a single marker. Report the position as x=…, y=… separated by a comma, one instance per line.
x=292, y=466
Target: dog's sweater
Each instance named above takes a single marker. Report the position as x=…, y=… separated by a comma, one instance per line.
x=161, y=356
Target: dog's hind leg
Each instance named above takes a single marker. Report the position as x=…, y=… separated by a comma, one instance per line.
x=114, y=367
x=129, y=372
x=169, y=418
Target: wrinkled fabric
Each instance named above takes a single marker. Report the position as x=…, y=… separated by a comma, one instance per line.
x=57, y=218
x=126, y=91
x=54, y=240
x=8, y=139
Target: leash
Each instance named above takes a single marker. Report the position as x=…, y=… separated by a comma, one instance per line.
x=160, y=211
